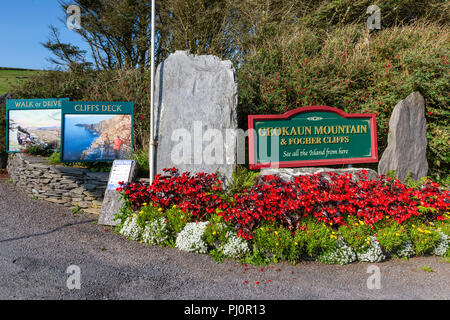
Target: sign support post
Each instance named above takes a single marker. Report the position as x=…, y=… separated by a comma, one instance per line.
x=152, y=90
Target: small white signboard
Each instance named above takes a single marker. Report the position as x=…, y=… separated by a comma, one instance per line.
x=122, y=170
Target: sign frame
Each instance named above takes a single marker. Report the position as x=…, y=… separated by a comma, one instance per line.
x=39, y=100
x=116, y=163
x=304, y=163
x=67, y=104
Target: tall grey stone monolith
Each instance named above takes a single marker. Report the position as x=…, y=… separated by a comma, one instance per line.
x=195, y=114
x=407, y=140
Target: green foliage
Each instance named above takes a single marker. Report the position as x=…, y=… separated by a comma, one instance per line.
x=350, y=69
x=392, y=237
x=217, y=255
x=38, y=150
x=176, y=219
x=243, y=178
x=277, y=243
x=141, y=158
x=316, y=238
x=416, y=184
x=55, y=158
x=97, y=166
x=148, y=213
x=356, y=233
x=216, y=231
x=427, y=269
x=391, y=174
x=444, y=226
x=424, y=238
x=77, y=209
x=257, y=257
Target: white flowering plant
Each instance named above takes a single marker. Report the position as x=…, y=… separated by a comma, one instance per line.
x=131, y=228
x=341, y=254
x=405, y=250
x=370, y=251
x=190, y=239
x=442, y=246
x=156, y=232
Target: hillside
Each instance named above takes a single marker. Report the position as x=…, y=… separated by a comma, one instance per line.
x=8, y=77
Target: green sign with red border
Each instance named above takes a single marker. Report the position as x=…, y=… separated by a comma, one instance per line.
x=311, y=136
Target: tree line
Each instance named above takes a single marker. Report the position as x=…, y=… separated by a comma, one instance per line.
x=118, y=31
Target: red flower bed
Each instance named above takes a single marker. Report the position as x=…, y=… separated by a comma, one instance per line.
x=195, y=194
x=329, y=200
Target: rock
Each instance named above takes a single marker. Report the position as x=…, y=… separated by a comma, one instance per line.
x=195, y=104
x=81, y=204
x=58, y=201
x=407, y=140
x=88, y=186
x=92, y=211
x=96, y=204
x=289, y=174
x=68, y=171
x=78, y=191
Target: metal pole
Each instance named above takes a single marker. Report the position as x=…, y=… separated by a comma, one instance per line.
x=152, y=90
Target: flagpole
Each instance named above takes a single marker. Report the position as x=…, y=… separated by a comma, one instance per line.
x=152, y=90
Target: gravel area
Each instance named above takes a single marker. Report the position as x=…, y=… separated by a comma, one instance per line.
x=39, y=240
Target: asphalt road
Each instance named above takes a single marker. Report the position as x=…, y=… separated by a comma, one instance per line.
x=39, y=241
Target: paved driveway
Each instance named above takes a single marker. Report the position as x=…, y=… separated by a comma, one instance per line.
x=39, y=240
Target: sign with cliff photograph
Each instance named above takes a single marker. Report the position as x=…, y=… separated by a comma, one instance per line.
x=33, y=122
x=310, y=136
x=96, y=131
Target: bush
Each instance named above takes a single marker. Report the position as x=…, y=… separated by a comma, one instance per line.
x=392, y=237
x=357, y=72
x=424, y=238
x=38, y=150
x=243, y=179
x=141, y=158
x=306, y=218
x=356, y=233
x=277, y=243
x=55, y=158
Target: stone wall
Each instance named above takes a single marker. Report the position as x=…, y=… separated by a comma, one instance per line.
x=65, y=186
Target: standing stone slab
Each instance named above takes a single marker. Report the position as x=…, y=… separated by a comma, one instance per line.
x=122, y=170
x=407, y=140
x=195, y=97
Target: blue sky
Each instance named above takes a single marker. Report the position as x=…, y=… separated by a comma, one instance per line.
x=24, y=25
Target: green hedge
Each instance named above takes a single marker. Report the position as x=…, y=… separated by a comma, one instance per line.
x=347, y=68
x=355, y=71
